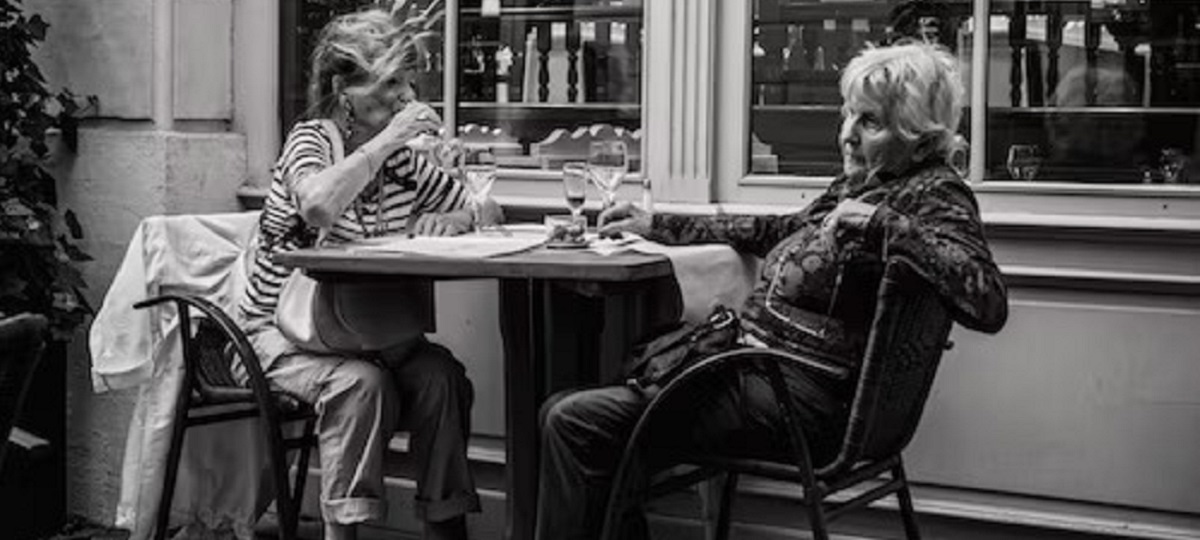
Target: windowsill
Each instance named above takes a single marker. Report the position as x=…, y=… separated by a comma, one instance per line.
x=1007, y=187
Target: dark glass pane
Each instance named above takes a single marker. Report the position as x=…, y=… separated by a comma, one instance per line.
x=1099, y=91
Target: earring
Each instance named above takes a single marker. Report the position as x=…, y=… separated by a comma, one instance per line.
x=349, y=120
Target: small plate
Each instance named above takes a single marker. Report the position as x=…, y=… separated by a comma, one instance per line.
x=566, y=245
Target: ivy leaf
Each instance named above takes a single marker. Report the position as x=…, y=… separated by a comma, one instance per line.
x=73, y=225
x=74, y=253
x=37, y=27
x=14, y=207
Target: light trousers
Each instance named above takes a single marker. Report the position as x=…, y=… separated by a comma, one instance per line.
x=360, y=403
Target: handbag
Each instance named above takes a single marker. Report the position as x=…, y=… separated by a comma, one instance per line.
x=656, y=363
x=353, y=316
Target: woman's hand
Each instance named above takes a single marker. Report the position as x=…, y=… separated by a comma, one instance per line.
x=850, y=216
x=448, y=224
x=625, y=217
x=413, y=120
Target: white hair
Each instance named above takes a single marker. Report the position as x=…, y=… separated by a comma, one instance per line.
x=917, y=85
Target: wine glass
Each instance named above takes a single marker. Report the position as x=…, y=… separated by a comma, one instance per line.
x=575, y=179
x=1171, y=161
x=608, y=162
x=478, y=174
x=1024, y=160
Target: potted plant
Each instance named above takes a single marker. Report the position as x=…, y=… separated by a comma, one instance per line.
x=39, y=259
x=39, y=270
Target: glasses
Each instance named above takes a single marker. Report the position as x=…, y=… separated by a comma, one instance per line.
x=575, y=179
x=1024, y=160
x=608, y=161
x=478, y=174
x=1172, y=162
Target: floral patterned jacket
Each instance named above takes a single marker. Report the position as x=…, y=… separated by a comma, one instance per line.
x=815, y=294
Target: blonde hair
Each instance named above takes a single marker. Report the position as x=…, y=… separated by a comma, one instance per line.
x=367, y=47
x=917, y=85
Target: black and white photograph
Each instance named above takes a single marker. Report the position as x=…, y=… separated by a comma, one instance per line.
x=599, y=269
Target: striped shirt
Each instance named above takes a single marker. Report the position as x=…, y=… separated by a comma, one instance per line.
x=405, y=184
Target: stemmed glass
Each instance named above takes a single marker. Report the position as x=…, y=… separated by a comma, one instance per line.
x=575, y=179
x=608, y=162
x=478, y=175
x=1024, y=160
x=1172, y=162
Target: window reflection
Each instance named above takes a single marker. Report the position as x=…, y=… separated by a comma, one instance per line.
x=1108, y=89
x=538, y=79
x=799, y=48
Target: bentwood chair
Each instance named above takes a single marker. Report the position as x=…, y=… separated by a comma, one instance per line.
x=909, y=332
x=22, y=338
x=212, y=344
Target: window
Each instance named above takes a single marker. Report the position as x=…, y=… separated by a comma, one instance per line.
x=798, y=51
x=1100, y=91
x=1077, y=91
x=536, y=80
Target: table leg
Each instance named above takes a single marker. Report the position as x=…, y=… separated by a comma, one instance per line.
x=521, y=313
x=560, y=337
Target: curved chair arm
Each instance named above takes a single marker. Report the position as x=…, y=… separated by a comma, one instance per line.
x=738, y=359
x=257, y=379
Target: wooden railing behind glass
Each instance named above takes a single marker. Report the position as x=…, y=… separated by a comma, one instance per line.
x=542, y=73
x=1106, y=91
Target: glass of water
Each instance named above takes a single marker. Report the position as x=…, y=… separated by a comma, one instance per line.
x=1024, y=161
x=478, y=174
x=608, y=162
x=575, y=180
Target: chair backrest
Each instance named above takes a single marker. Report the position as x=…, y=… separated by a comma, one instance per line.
x=908, y=336
x=22, y=338
x=212, y=347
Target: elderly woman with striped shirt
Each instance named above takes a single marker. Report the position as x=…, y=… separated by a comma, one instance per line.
x=347, y=173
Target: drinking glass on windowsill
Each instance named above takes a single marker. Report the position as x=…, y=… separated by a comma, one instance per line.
x=1024, y=161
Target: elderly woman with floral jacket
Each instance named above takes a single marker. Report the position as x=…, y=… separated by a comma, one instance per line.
x=815, y=296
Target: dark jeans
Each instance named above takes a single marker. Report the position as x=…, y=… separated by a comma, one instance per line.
x=584, y=435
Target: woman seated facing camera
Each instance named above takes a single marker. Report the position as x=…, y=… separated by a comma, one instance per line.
x=362, y=104
x=896, y=197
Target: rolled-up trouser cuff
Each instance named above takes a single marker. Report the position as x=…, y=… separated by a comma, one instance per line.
x=353, y=510
x=457, y=505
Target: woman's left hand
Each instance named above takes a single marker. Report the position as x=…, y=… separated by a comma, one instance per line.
x=448, y=224
x=849, y=216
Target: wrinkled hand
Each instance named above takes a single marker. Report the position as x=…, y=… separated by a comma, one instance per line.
x=448, y=224
x=624, y=217
x=414, y=119
x=850, y=216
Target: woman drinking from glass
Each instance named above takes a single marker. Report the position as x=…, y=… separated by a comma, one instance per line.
x=363, y=107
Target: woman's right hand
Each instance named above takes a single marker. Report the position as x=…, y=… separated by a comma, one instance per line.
x=625, y=217
x=414, y=119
